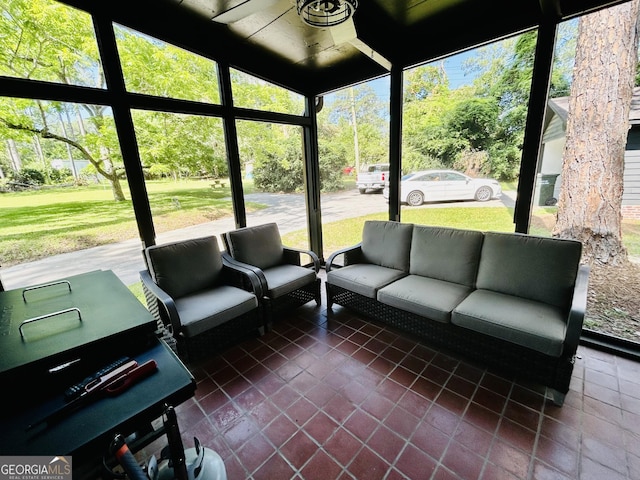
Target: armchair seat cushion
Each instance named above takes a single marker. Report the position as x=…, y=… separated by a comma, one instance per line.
x=424, y=296
x=528, y=323
x=208, y=309
x=364, y=278
x=284, y=279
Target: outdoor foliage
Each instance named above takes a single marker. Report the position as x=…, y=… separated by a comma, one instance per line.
x=281, y=172
x=477, y=129
x=29, y=176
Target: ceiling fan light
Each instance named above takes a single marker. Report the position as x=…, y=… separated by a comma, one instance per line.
x=326, y=13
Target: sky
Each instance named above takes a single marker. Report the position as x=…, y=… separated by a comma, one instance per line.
x=452, y=65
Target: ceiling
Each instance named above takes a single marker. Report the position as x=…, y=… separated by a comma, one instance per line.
x=268, y=39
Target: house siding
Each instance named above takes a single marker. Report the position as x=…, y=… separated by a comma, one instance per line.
x=553, y=147
x=631, y=186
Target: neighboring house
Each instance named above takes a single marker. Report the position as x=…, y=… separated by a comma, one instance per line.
x=553, y=141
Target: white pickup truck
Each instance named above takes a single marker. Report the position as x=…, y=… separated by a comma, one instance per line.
x=372, y=177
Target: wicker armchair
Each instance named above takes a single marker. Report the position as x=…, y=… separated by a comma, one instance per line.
x=203, y=302
x=286, y=283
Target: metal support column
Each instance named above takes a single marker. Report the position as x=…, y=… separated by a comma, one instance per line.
x=124, y=128
x=231, y=143
x=395, y=143
x=312, y=178
x=542, y=66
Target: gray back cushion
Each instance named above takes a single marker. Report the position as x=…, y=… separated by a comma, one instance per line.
x=387, y=243
x=538, y=268
x=260, y=246
x=446, y=254
x=185, y=267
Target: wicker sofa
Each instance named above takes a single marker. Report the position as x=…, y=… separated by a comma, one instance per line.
x=513, y=302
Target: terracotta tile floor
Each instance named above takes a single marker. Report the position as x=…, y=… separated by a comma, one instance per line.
x=339, y=397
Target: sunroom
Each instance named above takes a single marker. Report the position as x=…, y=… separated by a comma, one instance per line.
x=285, y=112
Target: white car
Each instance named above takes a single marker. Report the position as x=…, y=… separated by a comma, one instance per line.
x=443, y=185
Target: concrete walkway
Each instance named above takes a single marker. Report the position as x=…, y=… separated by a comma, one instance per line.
x=125, y=258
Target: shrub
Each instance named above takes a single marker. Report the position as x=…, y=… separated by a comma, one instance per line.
x=60, y=175
x=29, y=176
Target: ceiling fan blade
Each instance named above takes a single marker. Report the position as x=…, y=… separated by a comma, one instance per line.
x=243, y=10
x=343, y=32
x=371, y=53
x=346, y=33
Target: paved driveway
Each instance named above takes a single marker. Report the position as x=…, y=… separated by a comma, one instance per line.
x=125, y=258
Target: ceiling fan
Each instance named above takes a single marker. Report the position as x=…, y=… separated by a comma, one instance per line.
x=333, y=16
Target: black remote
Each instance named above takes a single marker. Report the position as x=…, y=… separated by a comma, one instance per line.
x=74, y=391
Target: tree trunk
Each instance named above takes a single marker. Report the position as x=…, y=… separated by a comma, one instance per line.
x=37, y=149
x=589, y=207
x=354, y=123
x=14, y=155
x=116, y=188
x=68, y=132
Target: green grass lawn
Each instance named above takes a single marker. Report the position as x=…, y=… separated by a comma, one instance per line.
x=40, y=223
x=337, y=235
x=340, y=234
x=46, y=222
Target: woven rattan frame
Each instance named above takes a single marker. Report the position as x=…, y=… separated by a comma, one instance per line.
x=274, y=307
x=218, y=338
x=505, y=357
x=162, y=331
x=209, y=342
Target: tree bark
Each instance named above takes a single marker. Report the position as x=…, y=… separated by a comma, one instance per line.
x=590, y=200
x=14, y=155
x=109, y=173
x=354, y=123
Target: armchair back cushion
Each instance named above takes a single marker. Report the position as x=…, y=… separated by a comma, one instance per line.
x=260, y=246
x=185, y=267
x=537, y=268
x=446, y=254
x=387, y=243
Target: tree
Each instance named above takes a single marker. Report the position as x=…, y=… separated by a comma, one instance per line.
x=589, y=207
x=37, y=43
x=474, y=119
x=504, y=72
x=363, y=125
x=426, y=141
x=176, y=145
x=425, y=81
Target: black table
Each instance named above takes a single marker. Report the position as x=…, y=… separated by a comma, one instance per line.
x=113, y=323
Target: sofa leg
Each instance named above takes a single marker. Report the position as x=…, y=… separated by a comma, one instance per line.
x=556, y=397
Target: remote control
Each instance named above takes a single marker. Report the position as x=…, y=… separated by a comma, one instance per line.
x=76, y=390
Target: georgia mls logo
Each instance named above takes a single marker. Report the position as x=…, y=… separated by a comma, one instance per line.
x=35, y=468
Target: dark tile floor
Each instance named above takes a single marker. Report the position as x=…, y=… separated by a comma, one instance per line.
x=338, y=397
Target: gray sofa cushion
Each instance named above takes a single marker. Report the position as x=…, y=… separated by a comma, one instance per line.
x=363, y=278
x=538, y=268
x=284, y=279
x=205, y=310
x=387, y=243
x=535, y=325
x=446, y=254
x=428, y=297
x=184, y=267
x=260, y=246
